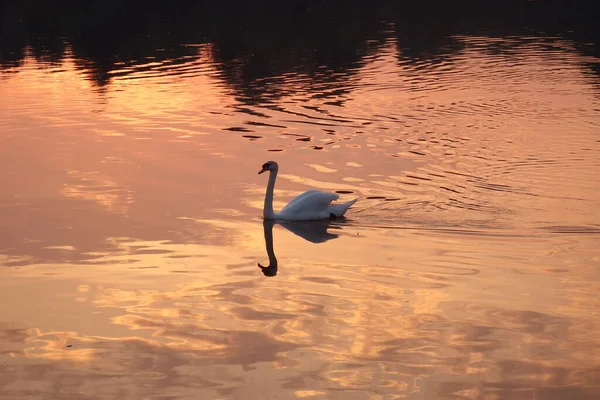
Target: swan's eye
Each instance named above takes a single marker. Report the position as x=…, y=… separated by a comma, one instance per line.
x=266, y=166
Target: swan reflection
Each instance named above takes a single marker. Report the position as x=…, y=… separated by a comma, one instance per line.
x=312, y=231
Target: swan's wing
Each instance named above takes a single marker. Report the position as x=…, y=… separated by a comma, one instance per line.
x=313, y=201
x=340, y=209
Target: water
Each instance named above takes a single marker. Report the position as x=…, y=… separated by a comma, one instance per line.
x=131, y=207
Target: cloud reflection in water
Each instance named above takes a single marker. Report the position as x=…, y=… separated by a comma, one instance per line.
x=220, y=331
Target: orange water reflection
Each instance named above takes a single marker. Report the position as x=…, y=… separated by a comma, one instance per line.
x=131, y=233
x=199, y=320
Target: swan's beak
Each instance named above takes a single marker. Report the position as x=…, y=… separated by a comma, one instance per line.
x=263, y=170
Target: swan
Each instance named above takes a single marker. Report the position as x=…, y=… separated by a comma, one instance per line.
x=310, y=205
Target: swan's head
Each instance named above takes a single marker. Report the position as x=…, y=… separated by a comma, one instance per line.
x=269, y=166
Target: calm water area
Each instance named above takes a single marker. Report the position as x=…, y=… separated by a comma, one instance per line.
x=131, y=222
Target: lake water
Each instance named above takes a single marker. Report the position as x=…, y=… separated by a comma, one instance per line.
x=131, y=208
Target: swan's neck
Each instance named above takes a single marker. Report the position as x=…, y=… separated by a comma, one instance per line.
x=268, y=208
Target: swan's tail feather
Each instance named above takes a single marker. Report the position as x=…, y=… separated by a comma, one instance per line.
x=340, y=209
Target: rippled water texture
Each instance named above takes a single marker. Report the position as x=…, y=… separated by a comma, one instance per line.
x=130, y=205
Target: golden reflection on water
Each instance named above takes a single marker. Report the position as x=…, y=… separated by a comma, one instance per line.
x=469, y=268
x=195, y=317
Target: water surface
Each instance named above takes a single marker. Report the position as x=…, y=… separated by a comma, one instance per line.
x=131, y=207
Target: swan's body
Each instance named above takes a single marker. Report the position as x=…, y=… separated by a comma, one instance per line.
x=310, y=205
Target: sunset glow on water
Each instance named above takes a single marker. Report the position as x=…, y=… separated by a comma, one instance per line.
x=131, y=209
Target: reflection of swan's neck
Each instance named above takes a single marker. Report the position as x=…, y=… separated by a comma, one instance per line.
x=271, y=270
x=268, y=231
x=268, y=208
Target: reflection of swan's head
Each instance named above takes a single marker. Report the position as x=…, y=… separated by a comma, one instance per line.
x=271, y=270
x=269, y=166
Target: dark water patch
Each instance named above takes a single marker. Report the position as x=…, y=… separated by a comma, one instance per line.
x=418, y=177
x=587, y=230
x=251, y=111
x=493, y=187
x=309, y=122
x=252, y=137
x=314, y=108
x=321, y=120
x=449, y=189
x=237, y=129
x=460, y=203
x=461, y=174
x=257, y=123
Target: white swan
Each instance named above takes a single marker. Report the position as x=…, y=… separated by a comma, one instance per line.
x=310, y=205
